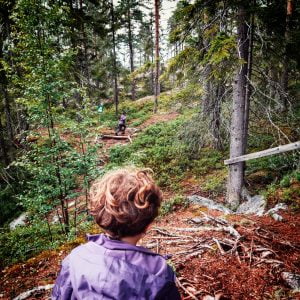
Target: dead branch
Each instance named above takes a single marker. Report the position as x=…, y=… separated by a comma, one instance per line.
x=219, y=246
x=164, y=232
x=29, y=293
x=185, y=290
x=251, y=251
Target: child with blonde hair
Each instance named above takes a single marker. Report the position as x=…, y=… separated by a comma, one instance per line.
x=110, y=265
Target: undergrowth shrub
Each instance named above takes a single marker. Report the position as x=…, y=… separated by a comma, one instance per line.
x=25, y=242
x=158, y=148
x=197, y=132
x=137, y=112
x=188, y=97
x=173, y=204
x=277, y=165
x=155, y=149
x=9, y=207
x=215, y=183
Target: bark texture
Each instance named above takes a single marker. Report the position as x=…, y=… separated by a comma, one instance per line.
x=131, y=53
x=157, y=70
x=115, y=75
x=237, y=141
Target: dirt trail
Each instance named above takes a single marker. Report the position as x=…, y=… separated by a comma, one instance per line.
x=245, y=262
x=163, y=117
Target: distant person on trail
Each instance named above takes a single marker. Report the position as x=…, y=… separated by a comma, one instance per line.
x=110, y=265
x=122, y=123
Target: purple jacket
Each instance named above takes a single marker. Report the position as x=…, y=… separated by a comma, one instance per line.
x=109, y=269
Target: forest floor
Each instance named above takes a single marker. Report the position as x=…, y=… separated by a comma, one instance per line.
x=214, y=255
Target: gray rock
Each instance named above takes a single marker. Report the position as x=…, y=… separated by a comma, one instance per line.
x=205, y=202
x=55, y=219
x=277, y=217
x=273, y=212
x=177, y=107
x=291, y=279
x=254, y=205
x=197, y=220
x=19, y=221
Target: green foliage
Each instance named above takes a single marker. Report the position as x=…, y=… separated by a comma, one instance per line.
x=136, y=113
x=215, y=183
x=277, y=164
x=289, y=178
x=158, y=148
x=186, y=60
x=154, y=148
x=53, y=168
x=26, y=241
x=171, y=205
x=9, y=207
x=221, y=48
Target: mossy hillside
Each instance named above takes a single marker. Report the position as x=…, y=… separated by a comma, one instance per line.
x=158, y=148
x=137, y=112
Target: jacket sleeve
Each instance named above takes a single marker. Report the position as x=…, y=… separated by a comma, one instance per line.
x=168, y=292
x=62, y=289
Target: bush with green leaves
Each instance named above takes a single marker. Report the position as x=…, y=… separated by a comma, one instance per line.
x=172, y=204
x=277, y=165
x=155, y=149
x=158, y=148
x=137, y=112
x=9, y=207
x=27, y=241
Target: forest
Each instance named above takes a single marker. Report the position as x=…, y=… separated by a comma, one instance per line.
x=202, y=83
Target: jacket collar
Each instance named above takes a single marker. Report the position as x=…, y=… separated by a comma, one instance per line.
x=109, y=243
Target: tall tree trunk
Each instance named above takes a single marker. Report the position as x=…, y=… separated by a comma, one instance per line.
x=207, y=95
x=152, y=56
x=237, y=142
x=248, y=85
x=4, y=94
x=3, y=146
x=157, y=60
x=131, y=53
x=115, y=72
x=216, y=115
x=9, y=121
x=286, y=61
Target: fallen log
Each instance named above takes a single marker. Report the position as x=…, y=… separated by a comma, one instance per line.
x=116, y=137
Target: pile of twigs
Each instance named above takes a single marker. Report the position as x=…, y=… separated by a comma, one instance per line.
x=252, y=246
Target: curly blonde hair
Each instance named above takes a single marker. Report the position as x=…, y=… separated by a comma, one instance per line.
x=125, y=202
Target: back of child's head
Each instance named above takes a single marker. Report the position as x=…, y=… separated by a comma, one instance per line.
x=125, y=202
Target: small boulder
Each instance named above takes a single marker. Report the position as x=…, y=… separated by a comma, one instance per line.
x=273, y=212
x=254, y=205
x=20, y=221
x=205, y=202
x=291, y=279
